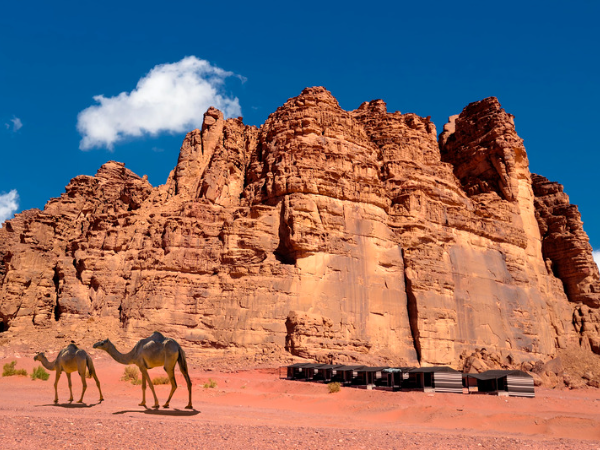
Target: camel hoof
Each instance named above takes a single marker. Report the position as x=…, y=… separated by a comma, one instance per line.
x=142, y=404
x=156, y=406
x=55, y=401
x=79, y=401
x=166, y=405
x=101, y=399
x=189, y=407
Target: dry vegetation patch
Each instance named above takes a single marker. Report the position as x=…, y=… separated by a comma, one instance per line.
x=334, y=387
x=211, y=384
x=132, y=374
x=9, y=370
x=39, y=373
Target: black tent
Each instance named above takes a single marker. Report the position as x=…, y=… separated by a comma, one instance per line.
x=369, y=376
x=347, y=374
x=324, y=372
x=515, y=383
x=434, y=379
x=301, y=371
x=393, y=377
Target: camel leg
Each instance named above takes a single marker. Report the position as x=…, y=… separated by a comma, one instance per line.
x=186, y=375
x=143, y=391
x=83, y=383
x=70, y=387
x=184, y=370
x=189, y=386
x=149, y=381
x=56, y=378
x=98, y=384
x=171, y=374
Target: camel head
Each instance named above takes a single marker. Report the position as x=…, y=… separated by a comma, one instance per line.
x=103, y=345
x=39, y=356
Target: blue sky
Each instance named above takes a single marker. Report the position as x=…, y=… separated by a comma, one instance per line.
x=60, y=60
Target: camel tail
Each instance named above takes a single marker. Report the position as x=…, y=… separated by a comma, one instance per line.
x=92, y=370
x=183, y=365
x=90, y=365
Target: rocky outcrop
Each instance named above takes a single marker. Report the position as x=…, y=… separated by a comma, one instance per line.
x=330, y=234
x=565, y=244
x=568, y=255
x=44, y=277
x=484, y=149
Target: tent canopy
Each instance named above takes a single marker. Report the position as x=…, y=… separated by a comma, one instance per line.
x=433, y=369
x=496, y=374
x=373, y=369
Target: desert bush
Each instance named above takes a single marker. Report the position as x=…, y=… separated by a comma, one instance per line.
x=334, y=387
x=9, y=370
x=160, y=380
x=39, y=373
x=131, y=373
x=211, y=384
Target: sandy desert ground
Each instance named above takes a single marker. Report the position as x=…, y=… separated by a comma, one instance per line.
x=256, y=409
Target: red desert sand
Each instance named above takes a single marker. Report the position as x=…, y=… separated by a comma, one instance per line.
x=256, y=409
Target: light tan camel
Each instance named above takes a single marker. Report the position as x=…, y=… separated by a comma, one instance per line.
x=154, y=351
x=70, y=359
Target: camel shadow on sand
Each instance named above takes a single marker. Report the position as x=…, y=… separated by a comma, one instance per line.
x=161, y=412
x=72, y=405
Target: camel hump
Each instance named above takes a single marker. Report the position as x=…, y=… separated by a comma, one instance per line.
x=72, y=346
x=157, y=337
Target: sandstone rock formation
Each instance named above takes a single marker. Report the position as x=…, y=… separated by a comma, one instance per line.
x=569, y=256
x=335, y=235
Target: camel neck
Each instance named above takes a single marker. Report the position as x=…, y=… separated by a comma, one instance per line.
x=123, y=358
x=47, y=364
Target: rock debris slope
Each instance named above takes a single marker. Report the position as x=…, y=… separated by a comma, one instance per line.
x=336, y=235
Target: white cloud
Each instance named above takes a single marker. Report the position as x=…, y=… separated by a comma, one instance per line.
x=9, y=203
x=596, y=254
x=16, y=124
x=171, y=98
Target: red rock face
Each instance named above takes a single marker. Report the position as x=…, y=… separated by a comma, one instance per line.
x=331, y=234
x=484, y=149
x=568, y=255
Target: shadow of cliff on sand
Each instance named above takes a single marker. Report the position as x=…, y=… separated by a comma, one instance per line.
x=161, y=412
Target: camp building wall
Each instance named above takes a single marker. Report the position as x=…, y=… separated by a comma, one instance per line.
x=520, y=386
x=448, y=382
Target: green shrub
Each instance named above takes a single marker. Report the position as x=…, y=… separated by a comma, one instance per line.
x=160, y=380
x=39, y=372
x=334, y=387
x=211, y=384
x=9, y=370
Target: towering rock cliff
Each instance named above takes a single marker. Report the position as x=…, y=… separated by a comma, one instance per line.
x=337, y=235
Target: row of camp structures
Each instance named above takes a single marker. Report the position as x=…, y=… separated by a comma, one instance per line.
x=428, y=379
